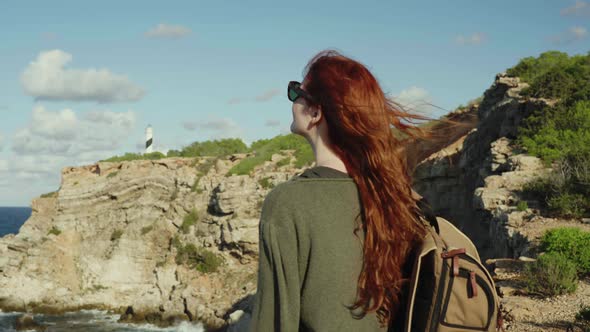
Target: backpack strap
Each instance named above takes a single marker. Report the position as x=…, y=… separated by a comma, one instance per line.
x=428, y=213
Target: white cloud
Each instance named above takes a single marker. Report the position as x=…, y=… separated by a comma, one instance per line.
x=475, y=39
x=571, y=35
x=580, y=8
x=164, y=30
x=267, y=95
x=220, y=128
x=415, y=99
x=63, y=133
x=272, y=123
x=60, y=125
x=47, y=79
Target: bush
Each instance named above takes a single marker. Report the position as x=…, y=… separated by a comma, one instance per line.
x=136, y=156
x=50, y=194
x=561, y=137
x=214, y=148
x=202, y=169
x=572, y=243
x=555, y=75
x=552, y=274
x=284, y=162
x=583, y=317
x=112, y=174
x=265, y=183
x=54, y=230
x=584, y=314
x=560, y=134
x=173, y=153
x=189, y=220
x=522, y=206
x=264, y=149
x=116, y=234
x=198, y=258
x=568, y=205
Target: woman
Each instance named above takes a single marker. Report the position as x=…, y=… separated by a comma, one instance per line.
x=334, y=240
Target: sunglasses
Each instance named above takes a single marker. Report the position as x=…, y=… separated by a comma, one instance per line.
x=294, y=91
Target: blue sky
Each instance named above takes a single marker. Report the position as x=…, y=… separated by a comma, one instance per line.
x=80, y=82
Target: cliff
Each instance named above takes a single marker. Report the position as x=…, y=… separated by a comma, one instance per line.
x=111, y=237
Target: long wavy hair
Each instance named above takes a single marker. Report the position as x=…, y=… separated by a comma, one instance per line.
x=370, y=132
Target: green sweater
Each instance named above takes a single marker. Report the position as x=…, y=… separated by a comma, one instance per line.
x=310, y=260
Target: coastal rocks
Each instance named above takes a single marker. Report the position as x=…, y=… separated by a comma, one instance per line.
x=110, y=239
x=26, y=323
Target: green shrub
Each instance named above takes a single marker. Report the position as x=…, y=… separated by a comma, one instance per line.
x=572, y=243
x=113, y=174
x=116, y=234
x=190, y=219
x=551, y=274
x=136, y=156
x=555, y=75
x=176, y=242
x=584, y=314
x=198, y=258
x=568, y=205
x=54, y=230
x=559, y=134
x=264, y=149
x=50, y=194
x=522, y=206
x=266, y=183
x=561, y=138
x=284, y=162
x=214, y=148
x=173, y=153
x=146, y=229
x=204, y=167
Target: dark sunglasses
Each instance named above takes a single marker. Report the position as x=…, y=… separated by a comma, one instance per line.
x=294, y=91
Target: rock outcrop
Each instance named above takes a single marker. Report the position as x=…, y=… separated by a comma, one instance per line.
x=107, y=240
x=477, y=180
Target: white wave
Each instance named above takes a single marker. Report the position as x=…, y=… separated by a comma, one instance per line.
x=182, y=327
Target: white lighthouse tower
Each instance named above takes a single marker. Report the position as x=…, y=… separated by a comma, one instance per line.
x=149, y=139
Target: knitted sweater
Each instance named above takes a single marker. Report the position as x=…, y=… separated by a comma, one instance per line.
x=310, y=260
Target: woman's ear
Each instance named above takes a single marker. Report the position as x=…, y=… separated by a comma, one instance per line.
x=316, y=113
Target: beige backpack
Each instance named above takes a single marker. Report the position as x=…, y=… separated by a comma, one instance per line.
x=449, y=288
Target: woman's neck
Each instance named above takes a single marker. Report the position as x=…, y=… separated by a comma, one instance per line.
x=326, y=157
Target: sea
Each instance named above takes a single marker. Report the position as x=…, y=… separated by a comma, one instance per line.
x=11, y=219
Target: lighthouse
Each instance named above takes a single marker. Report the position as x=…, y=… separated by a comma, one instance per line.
x=149, y=139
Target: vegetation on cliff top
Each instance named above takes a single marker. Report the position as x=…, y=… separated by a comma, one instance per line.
x=559, y=135
x=261, y=151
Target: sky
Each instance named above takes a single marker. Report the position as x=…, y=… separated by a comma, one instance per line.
x=80, y=82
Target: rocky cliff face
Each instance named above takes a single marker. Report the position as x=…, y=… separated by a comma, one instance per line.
x=110, y=237
x=477, y=180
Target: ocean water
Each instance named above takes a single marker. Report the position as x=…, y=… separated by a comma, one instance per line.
x=11, y=219
x=91, y=321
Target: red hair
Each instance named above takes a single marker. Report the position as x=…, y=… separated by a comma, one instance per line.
x=360, y=118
